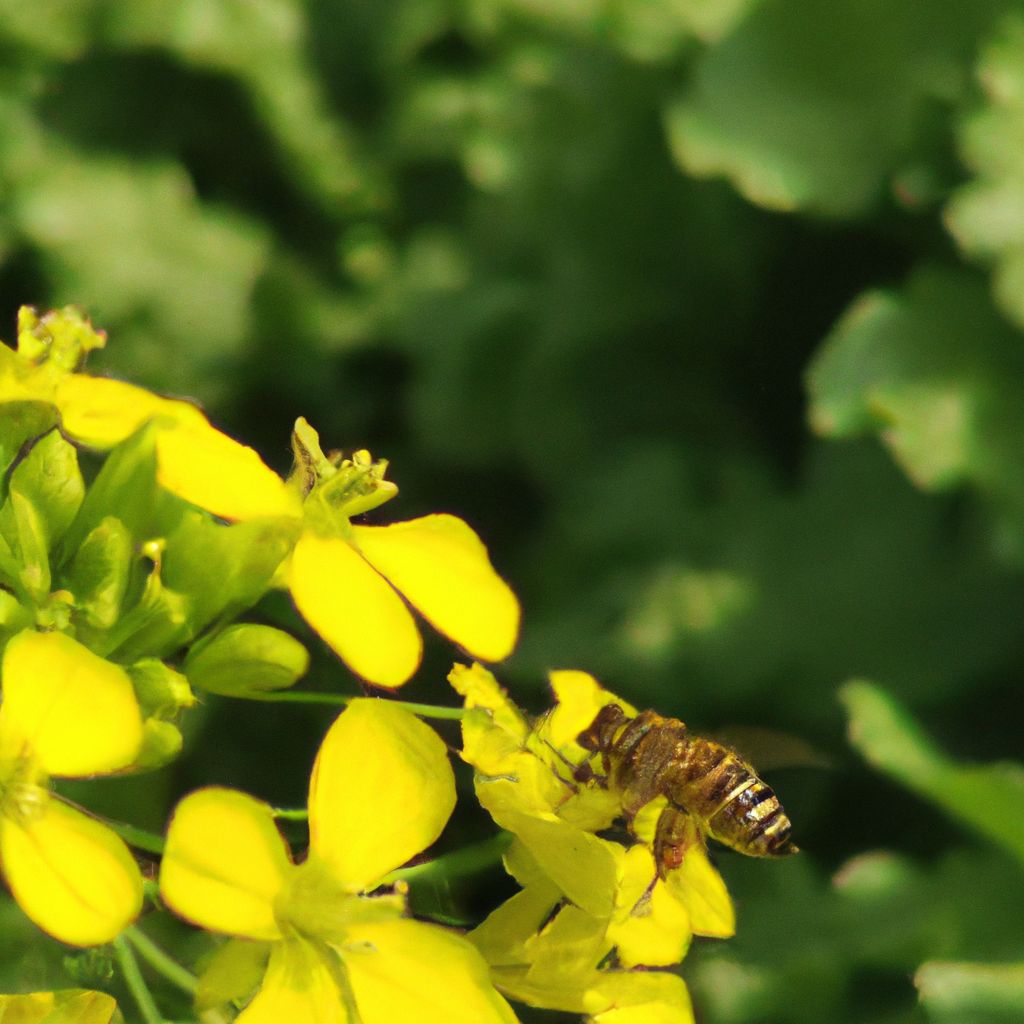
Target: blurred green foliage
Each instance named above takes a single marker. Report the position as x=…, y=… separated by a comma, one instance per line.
x=568, y=265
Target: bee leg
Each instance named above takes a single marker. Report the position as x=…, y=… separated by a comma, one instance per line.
x=673, y=834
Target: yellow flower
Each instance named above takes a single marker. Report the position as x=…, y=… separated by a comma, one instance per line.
x=195, y=460
x=70, y=1006
x=584, y=897
x=348, y=581
x=381, y=791
x=65, y=712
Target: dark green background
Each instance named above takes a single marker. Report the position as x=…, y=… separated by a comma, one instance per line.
x=585, y=272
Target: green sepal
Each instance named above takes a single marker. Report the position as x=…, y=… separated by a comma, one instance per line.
x=161, y=692
x=14, y=616
x=161, y=743
x=99, y=573
x=246, y=659
x=156, y=625
x=19, y=423
x=49, y=478
x=125, y=485
x=234, y=972
x=223, y=570
x=25, y=555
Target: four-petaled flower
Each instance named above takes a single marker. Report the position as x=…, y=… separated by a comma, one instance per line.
x=381, y=791
x=65, y=712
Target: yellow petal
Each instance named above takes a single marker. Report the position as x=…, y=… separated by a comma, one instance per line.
x=225, y=863
x=207, y=468
x=580, y=697
x=699, y=887
x=503, y=935
x=651, y=927
x=299, y=988
x=408, y=971
x=639, y=997
x=580, y=864
x=234, y=971
x=479, y=689
x=382, y=790
x=76, y=711
x=442, y=568
x=569, y=948
x=354, y=609
x=100, y=412
x=71, y=875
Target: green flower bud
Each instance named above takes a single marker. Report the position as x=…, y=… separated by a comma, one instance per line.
x=246, y=659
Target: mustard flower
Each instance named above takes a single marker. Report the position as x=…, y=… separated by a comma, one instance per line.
x=194, y=459
x=586, y=900
x=65, y=712
x=350, y=582
x=381, y=791
x=353, y=583
x=69, y=1006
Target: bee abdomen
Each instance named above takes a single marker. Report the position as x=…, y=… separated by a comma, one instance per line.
x=753, y=822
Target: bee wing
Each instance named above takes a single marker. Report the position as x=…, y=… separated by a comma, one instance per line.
x=769, y=749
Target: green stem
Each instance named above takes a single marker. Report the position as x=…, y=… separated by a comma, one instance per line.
x=307, y=697
x=459, y=862
x=136, y=983
x=137, y=837
x=288, y=814
x=160, y=961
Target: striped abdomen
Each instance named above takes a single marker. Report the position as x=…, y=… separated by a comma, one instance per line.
x=733, y=804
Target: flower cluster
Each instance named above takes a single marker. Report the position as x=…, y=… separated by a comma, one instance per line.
x=592, y=910
x=119, y=609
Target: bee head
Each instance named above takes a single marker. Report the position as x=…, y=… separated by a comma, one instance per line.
x=601, y=731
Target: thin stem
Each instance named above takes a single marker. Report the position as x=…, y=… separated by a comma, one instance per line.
x=137, y=837
x=160, y=961
x=289, y=814
x=459, y=862
x=136, y=983
x=308, y=697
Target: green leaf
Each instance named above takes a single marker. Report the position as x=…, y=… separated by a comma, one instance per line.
x=986, y=216
x=965, y=993
x=936, y=373
x=99, y=573
x=988, y=798
x=246, y=658
x=814, y=105
x=134, y=238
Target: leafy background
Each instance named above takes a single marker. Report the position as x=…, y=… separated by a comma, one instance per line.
x=707, y=314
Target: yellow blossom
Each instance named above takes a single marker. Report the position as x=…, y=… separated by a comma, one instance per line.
x=65, y=712
x=584, y=897
x=381, y=791
x=350, y=582
x=194, y=459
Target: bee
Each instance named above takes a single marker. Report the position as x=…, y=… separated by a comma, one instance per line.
x=650, y=756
